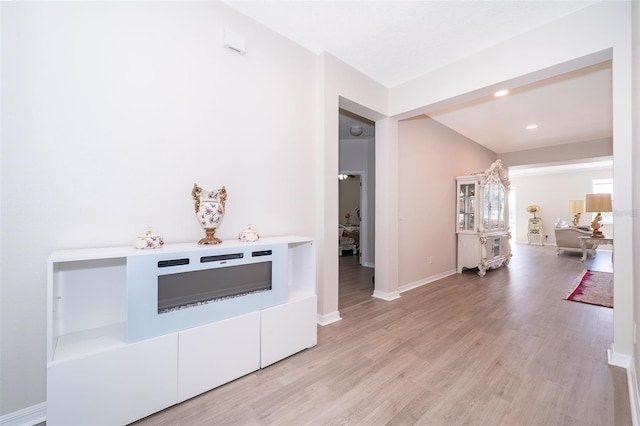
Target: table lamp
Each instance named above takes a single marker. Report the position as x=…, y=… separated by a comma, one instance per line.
x=533, y=209
x=598, y=203
x=576, y=207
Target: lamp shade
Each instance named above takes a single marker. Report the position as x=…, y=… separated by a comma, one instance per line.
x=533, y=209
x=598, y=203
x=576, y=206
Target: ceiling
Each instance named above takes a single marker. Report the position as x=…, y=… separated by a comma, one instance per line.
x=395, y=41
x=569, y=108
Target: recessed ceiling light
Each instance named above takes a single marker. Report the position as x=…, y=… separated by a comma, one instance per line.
x=532, y=126
x=502, y=92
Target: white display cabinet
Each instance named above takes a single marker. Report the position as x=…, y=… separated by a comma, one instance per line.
x=482, y=220
x=281, y=337
x=202, y=362
x=113, y=386
x=96, y=375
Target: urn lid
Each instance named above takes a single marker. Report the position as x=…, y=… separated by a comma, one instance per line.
x=248, y=235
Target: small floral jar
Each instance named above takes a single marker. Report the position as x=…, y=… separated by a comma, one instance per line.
x=248, y=235
x=148, y=240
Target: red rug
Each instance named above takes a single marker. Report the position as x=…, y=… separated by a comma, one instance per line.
x=594, y=288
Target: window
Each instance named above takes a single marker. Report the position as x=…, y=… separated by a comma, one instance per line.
x=512, y=210
x=603, y=186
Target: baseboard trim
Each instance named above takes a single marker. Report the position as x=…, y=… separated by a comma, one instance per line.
x=617, y=359
x=425, y=281
x=634, y=396
x=26, y=417
x=627, y=362
x=386, y=296
x=328, y=318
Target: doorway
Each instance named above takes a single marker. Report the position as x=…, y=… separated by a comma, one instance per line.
x=356, y=209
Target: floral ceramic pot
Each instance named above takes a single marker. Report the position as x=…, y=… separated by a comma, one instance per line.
x=209, y=211
x=248, y=235
x=148, y=240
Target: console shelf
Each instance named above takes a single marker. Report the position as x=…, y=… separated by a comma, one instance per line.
x=89, y=341
x=96, y=372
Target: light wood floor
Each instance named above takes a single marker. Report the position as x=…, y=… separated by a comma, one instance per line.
x=505, y=349
x=356, y=285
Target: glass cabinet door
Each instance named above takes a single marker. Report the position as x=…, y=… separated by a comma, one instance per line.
x=466, y=206
x=486, y=208
x=496, y=247
x=493, y=206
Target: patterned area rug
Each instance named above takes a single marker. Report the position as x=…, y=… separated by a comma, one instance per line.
x=594, y=288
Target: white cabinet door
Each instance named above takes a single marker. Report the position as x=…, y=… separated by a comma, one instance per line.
x=468, y=251
x=113, y=387
x=217, y=353
x=287, y=329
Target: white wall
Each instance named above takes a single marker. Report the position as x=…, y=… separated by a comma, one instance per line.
x=635, y=16
x=341, y=85
x=111, y=111
x=570, y=152
x=535, y=189
x=432, y=156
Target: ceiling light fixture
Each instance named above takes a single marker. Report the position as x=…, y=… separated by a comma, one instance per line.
x=500, y=93
x=532, y=126
x=356, y=130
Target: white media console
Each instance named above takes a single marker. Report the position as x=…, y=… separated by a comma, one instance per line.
x=123, y=344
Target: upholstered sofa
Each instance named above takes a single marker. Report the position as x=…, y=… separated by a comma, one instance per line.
x=567, y=236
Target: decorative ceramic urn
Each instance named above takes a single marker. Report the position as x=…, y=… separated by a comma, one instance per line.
x=209, y=211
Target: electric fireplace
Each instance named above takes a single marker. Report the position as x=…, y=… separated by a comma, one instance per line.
x=189, y=289
x=171, y=293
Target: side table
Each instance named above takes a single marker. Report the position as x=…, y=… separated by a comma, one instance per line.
x=595, y=241
x=535, y=230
